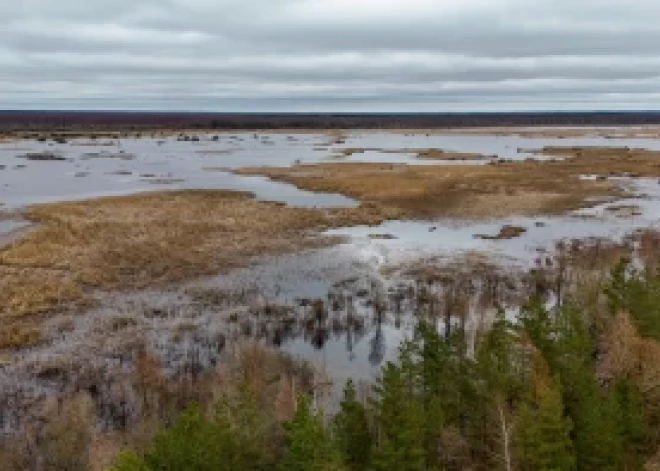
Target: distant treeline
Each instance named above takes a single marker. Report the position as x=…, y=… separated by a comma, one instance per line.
x=79, y=120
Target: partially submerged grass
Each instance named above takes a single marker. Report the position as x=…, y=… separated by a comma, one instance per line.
x=441, y=154
x=430, y=153
x=500, y=189
x=506, y=232
x=132, y=242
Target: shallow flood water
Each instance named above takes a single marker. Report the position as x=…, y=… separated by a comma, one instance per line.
x=127, y=166
x=512, y=147
x=123, y=166
x=355, y=334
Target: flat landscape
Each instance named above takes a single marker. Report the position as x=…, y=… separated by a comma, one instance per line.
x=327, y=245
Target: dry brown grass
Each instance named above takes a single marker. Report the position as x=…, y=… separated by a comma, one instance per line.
x=19, y=335
x=132, y=242
x=469, y=191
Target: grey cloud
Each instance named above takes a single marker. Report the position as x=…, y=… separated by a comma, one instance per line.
x=319, y=55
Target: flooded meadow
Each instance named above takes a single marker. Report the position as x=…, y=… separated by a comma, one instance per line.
x=335, y=277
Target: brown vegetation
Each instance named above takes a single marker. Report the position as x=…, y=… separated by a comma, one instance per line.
x=85, y=430
x=146, y=240
x=468, y=191
x=506, y=232
x=501, y=189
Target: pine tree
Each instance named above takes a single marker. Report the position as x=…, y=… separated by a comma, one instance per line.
x=438, y=391
x=502, y=368
x=308, y=445
x=598, y=437
x=246, y=432
x=633, y=424
x=539, y=325
x=567, y=346
x=637, y=293
x=351, y=430
x=543, y=432
x=400, y=423
x=192, y=443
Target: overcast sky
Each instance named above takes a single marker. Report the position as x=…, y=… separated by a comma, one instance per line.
x=330, y=55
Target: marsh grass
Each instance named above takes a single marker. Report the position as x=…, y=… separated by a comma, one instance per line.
x=144, y=240
x=19, y=335
x=500, y=189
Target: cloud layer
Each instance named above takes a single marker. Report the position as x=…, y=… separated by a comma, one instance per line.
x=330, y=55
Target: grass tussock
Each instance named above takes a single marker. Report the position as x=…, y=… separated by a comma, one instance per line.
x=500, y=189
x=19, y=336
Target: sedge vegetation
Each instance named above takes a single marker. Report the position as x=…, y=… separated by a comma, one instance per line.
x=500, y=188
x=141, y=241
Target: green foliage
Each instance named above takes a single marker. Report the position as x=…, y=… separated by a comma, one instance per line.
x=351, y=430
x=308, y=446
x=528, y=399
x=501, y=361
x=249, y=433
x=236, y=437
x=633, y=424
x=598, y=439
x=638, y=293
x=400, y=421
x=193, y=443
x=129, y=461
x=544, y=433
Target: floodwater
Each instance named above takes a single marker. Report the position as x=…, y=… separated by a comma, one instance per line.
x=124, y=166
x=10, y=229
x=350, y=278
x=511, y=147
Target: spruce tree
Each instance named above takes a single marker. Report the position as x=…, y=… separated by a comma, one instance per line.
x=351, y=430
x=237, y=437
x=192, y=443
x=598, y=434
x=633, y=424
x=543, y=433
x=502, y=369
x=400, y=423
x=308, y=445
